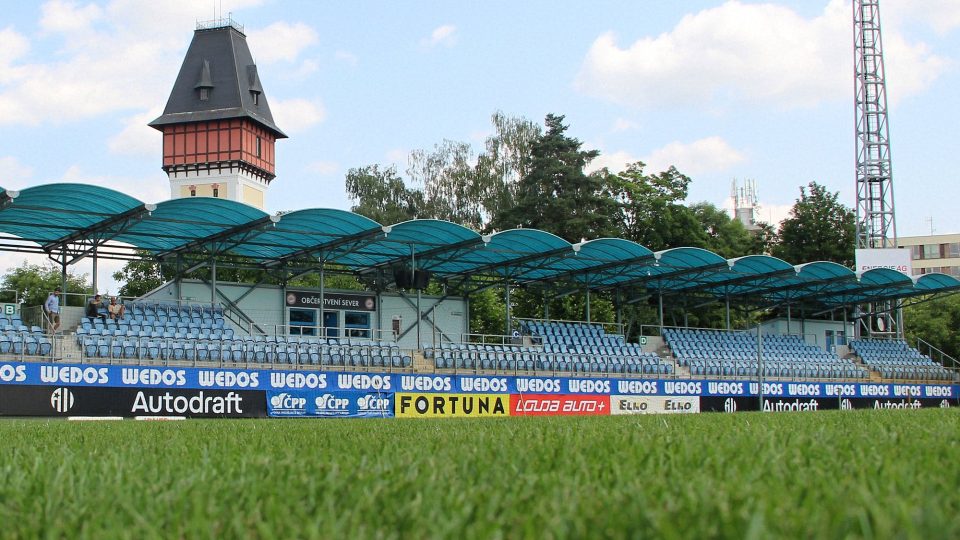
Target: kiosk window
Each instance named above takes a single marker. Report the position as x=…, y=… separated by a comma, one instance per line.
x=303, y=322
x=331, y=322
x=357, y=323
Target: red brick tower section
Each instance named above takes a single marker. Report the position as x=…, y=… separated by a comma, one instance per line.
x=218, y=132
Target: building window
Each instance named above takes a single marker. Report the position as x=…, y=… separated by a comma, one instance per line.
x=259, y=146
x=204, y=94
x=216, y=190
x=953, y=249
x=931, y=251
x=256, y=98
x=916, y=252
x=193, y=192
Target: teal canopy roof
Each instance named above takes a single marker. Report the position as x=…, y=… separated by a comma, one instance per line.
x=66, y=221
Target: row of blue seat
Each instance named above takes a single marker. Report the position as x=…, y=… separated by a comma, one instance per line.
x=242, y=352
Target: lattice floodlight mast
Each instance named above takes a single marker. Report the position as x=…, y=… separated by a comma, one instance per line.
x=876, y=224
x=875, y=215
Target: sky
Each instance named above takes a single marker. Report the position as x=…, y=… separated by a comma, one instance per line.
x=721, y=90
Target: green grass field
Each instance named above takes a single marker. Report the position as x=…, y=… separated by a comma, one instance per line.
x=871, y=474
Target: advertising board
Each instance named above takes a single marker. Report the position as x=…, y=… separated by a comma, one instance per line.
x=129, y=402
x=654, y=405
x=893, y=258
x=439, y=405
x=558, y=405
x=329, y=404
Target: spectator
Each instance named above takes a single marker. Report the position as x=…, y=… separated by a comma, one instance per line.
x=52, y=308
x=93, y=309
x=115, y=310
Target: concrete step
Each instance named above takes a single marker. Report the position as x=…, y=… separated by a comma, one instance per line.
x=421, y=364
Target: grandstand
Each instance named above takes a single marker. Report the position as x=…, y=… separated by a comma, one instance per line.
x=894, y=359
x=555, y=348
x=162, y=333
x=713, y=353
x=195, y=333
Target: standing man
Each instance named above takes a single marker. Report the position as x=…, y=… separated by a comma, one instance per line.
x=52, y=308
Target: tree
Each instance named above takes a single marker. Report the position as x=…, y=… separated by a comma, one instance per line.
x=935, y=322
x=379, y=194
x=556, y=195
x=722, y=234
x=448, y=182
x=33, y=282
x=819, y=229
x=651, y=209
x=140, y=277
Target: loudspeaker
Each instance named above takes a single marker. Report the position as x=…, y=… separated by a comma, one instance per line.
x=421, y=278
x=402, y=277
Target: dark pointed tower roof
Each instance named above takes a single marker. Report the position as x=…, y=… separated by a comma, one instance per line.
x=219, y=68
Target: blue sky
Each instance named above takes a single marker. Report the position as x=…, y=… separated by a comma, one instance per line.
x=722, y=90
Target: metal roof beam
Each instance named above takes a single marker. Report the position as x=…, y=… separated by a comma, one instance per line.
x=223, y=236
x=328, y=246
x=115, y=225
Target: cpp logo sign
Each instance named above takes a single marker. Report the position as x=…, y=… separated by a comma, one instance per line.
x=61, y=399
x=286, y=403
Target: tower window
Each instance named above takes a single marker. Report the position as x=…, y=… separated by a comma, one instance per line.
x=258, y=145
x=204, y=94
x=256, y=98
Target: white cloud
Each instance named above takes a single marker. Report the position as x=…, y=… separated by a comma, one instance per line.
x=941, y=15
x=65, y=16
x=622, y=124
x=397, y=156
x=153, y=189
x=346, y=57
x=614, y=161
x=747, y=54
x=703, y=156
x=442, y=35
x=126, y=61
x=13, y=174
x=137, y=138
x=708, y=155
x=296, y=115
x=280, y=41
x=324, y=168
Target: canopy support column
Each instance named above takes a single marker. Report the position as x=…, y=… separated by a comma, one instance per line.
x=788, y=318
x=660, y=308
x=94, y=268
x=178, y=279
x=588, y=306
x=63, y=280
x=323, y=301
x=506, y=297
x=727, y=301
x=413, y=273
x=619, y=301
x=213, y=281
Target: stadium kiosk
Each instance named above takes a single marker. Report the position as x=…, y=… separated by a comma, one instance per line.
x=274, y=310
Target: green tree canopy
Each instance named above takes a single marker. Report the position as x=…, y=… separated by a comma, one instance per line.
x=819, y=229
x=34, y=282
x=935, y=322
x=381, y=195
x=556, y=195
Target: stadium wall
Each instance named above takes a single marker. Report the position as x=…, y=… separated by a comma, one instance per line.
x=445, y=317
x=62, y=390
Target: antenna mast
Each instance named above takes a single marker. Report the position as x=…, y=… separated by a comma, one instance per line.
x=876, y=224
